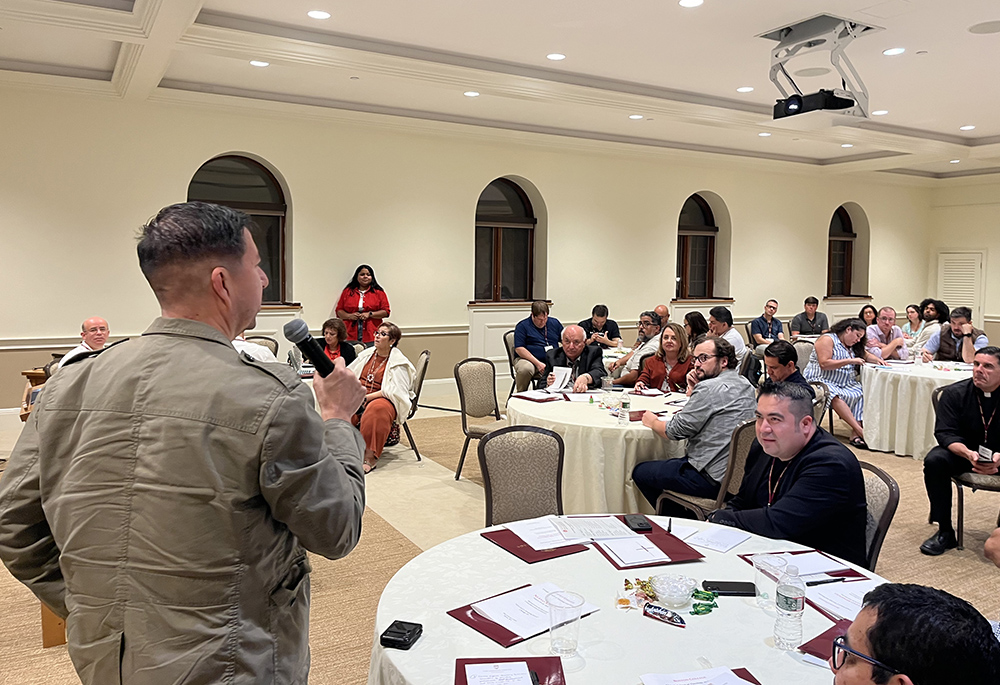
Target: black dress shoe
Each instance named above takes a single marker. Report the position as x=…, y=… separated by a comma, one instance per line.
x=939, y=543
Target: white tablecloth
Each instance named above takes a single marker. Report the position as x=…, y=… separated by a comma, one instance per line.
x=616, y=646
x=600, y=454
x=899, y=416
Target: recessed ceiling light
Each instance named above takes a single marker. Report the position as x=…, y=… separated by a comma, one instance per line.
x=969, y=127
x=764, y=135
x=880, y=112
x=635, y=116
x=954, y=161
x=318, y=14
x=745, y=89
x=471, y=94
x=892, y=52
x=555, y=56
x=985, y=28
x=846, y=145
x=690, y=3
x=259, y=63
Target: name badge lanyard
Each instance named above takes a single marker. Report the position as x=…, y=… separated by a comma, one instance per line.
x=771, y=492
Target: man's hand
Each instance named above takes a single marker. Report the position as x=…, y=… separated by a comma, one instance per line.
x=985, y=468
x=539, y=365
x=639, y=385
x=582, y=383
x=339, y=395
x=550, y=379
x=649, y=419
x=966, y=328
x=926, y=356
x=692, y=379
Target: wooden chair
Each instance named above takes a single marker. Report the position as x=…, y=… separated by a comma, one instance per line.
x=882, y=495
x=522, y=472
x=971, y=480
x=418, y=383
x=476, y=381
x=508, y=343
x=264, y=341
x=739, y=450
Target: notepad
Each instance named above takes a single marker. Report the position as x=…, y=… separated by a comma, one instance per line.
x=541, y=534
x=634, y=551
x=505, y=673
x=593, y=527
x=842, y=599
x=811, y=563
x=523, y=612
x=718, y=539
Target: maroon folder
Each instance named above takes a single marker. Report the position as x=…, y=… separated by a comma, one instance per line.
x=744, y=674
x=490, y=629
x=636, y=415
x=844, y=573
x=553, y=398
x=821, y=646
x=675, y=548
x=547, y=668
x=508, y=540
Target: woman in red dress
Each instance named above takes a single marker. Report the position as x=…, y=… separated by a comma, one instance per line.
x=362, y=306
x=667, y=369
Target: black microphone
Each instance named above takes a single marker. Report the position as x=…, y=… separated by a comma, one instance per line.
x=297, y=333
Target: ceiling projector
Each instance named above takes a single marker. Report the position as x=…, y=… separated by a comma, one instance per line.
x=824, y=99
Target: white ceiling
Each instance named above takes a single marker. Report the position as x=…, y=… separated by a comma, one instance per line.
x=677, y=67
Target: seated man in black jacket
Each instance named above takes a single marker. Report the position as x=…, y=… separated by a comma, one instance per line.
x=586, y=362
x=804, y=485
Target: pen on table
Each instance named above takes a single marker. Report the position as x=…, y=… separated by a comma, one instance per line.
x=813, y=583
x=670, y=524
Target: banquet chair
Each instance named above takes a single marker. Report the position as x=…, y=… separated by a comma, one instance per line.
x=508, y=343
x=803, y=348
x=522, y=472
x=358, y=348
x=477, y=392
x=751, y=345
x=974, y=481
x=739, y=450
x=418, y=383
x=882, y=496
x=822, y=398
x=750, y=367
x=264, y=341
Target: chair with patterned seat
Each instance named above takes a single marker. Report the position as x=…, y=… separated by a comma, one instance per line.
x=265, y=341
x=882, y=496
x=522, y=473
x=803, y=350
x=477, y=393
x=739, y=450
x=821, y=399
x=508, y=344
x=418, y=383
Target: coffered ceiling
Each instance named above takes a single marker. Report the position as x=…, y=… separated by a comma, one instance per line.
x=675, y=69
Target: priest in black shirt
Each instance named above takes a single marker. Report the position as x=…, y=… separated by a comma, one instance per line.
x=968, y=440
x=804, y=485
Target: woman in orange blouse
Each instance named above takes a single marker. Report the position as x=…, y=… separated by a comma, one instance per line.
x=667, y=369
x=362, y=306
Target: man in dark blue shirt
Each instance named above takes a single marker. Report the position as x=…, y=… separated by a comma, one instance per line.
x=779, y=364
x=600, y=329
x=765, y=329
x=533, y=337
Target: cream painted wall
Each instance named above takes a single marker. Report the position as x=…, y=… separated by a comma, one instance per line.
x=80, y=174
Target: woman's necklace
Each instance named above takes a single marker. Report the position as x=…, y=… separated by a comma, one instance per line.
x=373, y=369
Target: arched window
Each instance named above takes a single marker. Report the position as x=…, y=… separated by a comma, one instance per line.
x=840, y=257
x=505, y=243
x=246, y=185
x=696, y=234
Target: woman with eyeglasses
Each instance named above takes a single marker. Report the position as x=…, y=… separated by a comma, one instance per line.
x=868, y=314
x=387, y=377
x=362, y=306
x=831, y=361
x=667, y=368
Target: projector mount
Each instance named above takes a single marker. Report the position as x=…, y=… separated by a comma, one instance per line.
x=819, y=33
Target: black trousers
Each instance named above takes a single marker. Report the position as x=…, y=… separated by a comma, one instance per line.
x=940, y=465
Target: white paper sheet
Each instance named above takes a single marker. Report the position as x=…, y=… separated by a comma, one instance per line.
x=813, y=562
x=523, y=612
x=541, y=533
x=842, y=599
x=505, y=673
x=634, y=551
x=561, y=382
x=593, y=527
x=711, y=676
x=719, y=539
x=681, y=532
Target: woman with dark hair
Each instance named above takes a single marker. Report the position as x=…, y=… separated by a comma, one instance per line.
x=387, y=377
x=336, y=345
x=695, y=326
x=935, y=314
x=914, y=321
x=868, y=314
x=667, y=368
x=362, y=306
x=830, y=361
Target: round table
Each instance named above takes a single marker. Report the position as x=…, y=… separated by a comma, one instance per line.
x=600, y=454
x=899, y=415
x=616, y=646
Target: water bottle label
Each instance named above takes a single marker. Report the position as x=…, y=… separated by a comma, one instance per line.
x=786, y=603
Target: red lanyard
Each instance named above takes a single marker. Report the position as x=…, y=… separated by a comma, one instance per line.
x=770, y=492
x=986, y=424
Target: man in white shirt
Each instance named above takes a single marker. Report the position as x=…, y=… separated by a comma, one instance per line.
x=95, y=334
x=720, y=324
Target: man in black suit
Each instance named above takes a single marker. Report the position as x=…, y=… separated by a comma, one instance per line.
x=586, y=362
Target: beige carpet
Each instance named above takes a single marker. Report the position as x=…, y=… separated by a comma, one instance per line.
x=441, y=439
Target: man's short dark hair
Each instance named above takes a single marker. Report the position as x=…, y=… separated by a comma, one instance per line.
x=961, y=313
x=191, y=231
x=721, y=314
x=783, y=351
x=723, y=349
x=772, y=300
x=600, y=310
x=652, y=315
x=799, y=397
x=539, y=307
x=930, y=636
x=811, y=300
x=991, y=350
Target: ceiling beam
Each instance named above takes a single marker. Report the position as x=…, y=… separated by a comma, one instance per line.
x=141, y=67
x=106, y=23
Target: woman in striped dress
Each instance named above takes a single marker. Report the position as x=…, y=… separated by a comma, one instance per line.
x=832, y=361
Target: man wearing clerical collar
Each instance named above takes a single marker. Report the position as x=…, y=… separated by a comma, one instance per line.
x=968, y=440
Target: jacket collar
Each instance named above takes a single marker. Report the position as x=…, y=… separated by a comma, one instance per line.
x=188, y=328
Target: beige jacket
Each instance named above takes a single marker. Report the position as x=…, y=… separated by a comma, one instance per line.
x=162, y=497
x=397, y=381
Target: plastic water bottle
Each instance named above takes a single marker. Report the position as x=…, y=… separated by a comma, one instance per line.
x=623, y=412
x=790, y=601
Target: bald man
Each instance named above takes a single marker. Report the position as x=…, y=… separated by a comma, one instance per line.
x=586, y=362
x=95, y=334
x=663, y=312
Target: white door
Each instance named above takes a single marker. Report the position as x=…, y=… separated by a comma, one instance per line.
x=960, y=281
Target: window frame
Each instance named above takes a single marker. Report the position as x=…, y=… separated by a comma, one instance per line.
x=497, y=225
x=684, y=234
x=847, y=237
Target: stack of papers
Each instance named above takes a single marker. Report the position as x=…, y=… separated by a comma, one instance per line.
x=811, y=563
x=719, y=538
x=523, y=612
x=561, y=381
x=541, y=534
x=634, y=551
x=843, y=600
x=592, y=527
x=711, y=676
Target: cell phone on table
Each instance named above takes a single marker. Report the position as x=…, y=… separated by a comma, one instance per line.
x=638, y=523
x=730, y=588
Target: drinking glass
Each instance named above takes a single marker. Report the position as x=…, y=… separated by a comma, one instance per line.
x=564, y=621
x=767, y=569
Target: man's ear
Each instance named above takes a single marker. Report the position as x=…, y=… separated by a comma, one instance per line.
x=221, y=282
x=900, y=679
